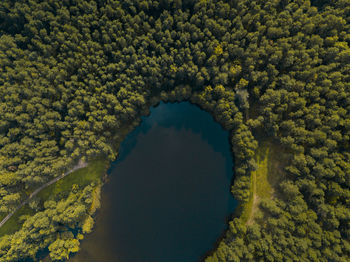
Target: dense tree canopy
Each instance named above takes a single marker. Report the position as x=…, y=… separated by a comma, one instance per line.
x=74, y=72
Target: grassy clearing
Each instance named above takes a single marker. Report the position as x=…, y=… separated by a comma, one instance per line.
x=15, y=222
x=81, y=177
x=262, y=174
x=245, y=210
x=263, y=181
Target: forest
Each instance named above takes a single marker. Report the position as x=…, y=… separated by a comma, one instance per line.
x=76, y=75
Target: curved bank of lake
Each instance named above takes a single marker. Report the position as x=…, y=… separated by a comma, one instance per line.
x=168, y=198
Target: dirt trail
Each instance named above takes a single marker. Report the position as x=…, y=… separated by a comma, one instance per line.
x=80, y=164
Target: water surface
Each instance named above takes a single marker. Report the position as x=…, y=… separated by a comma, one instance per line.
x=168, y=198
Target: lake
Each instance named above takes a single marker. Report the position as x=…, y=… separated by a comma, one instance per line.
x=168, y=196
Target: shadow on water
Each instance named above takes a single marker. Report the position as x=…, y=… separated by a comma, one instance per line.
x=181, y=117
x=168, y=197
x=192, y=118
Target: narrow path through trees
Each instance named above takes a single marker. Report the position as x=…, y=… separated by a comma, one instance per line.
x=80, y=164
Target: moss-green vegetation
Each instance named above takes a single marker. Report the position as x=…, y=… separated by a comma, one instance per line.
x=270, y=159
x=244, y=210
x=260, y=186
x=16, y=221
x=82, y=177
x=263, y=187
x=74, y=72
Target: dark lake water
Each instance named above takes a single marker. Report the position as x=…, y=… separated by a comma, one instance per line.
x=168, y=198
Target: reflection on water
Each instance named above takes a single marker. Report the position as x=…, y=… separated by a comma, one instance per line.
x=168, y=197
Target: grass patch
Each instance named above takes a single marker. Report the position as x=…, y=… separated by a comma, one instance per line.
x=269, y=158
x=81, y=177
x=15, y=222
x=245, y=209
x=263, y=188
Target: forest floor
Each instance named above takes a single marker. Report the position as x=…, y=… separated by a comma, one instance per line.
x=269, y=158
